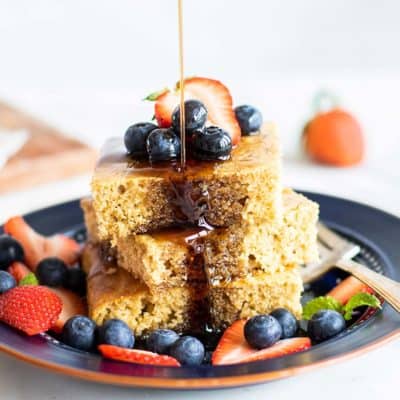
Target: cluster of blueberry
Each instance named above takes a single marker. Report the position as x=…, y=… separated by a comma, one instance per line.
x=263, y=331
x=51, y=271
x=146, y=140
x=82, y=333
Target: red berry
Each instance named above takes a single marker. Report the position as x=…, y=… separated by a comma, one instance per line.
x=31, y=309
x=136, y=356
x=233, y=348
x=213, y=94
x=348, y=288
x=37, y=247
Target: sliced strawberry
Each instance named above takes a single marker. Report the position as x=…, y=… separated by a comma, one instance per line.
x=31, y=309
x=212, y=93
x=72, y=305
x=164, y=107
x=282, y=348
x=18, y=270
x=233, y=347
x=38, y=247
x=348, y=288
x=136, y=356
x=218, y=101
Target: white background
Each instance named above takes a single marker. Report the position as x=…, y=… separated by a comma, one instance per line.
x=85, y=66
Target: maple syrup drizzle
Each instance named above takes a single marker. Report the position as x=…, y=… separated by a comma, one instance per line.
x=181, y=85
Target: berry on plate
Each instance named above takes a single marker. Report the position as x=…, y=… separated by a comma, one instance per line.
x=287, y=321
x=135, y=138
x=31, y=309
x=164, y=106
x=117, y=333
x=348, y=288
x=19, y=271
x=51, y=271
x=195, y=116
x=136, y=356
x=163, y=145
x=37, y=247
x=249, y=118
x=79, y=332
x=75, y=280
x=188, y=351
x=72, y=305
x=7, y=282
x=161, y=340
x=10, y=251
x=262, y=331
x=212, y=143
x=233, y=347
x=325, y=324
x=212, y=93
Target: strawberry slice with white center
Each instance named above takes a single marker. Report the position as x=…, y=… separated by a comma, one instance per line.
x=37, y=247
x=348, y=288
x=212, y=93
x=164, y=107
x=19, y=271
x=233, y=347
x=136, y=356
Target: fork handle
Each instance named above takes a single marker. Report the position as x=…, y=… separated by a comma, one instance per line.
x=386, y=287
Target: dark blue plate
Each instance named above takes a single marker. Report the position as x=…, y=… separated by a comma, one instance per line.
x=376, y=231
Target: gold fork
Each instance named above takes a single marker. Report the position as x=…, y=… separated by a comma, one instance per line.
x=335, y=251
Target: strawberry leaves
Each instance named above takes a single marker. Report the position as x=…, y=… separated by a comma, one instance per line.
x=320, y=303
x=358, y=300
x=155, y=95
x=330, y=303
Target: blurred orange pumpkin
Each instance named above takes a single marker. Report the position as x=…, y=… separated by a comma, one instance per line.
x=334, y=137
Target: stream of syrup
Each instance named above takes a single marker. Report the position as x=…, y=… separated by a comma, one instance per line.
x=181, y=86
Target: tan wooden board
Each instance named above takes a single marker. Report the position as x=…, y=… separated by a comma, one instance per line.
x=48, y=155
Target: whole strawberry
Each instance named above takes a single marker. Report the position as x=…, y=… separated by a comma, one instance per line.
x=31, y=309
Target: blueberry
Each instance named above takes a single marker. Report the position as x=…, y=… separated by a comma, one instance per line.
x=160, y=340
x=262, y=331
x=212, y=143
x=287, y=321
x=10, y=251
x=188, y=350
x=325, y=324
x=51, y=271
x=79, y=332
x=7, y=282
x=117, y=333
x=75, y=280
x=195, y=116
x=163, y=145
x=135, y=138
x=249, y=118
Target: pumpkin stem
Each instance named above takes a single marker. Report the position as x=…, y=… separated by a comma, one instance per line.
x=324, y=101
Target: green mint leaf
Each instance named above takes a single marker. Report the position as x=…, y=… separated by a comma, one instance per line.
x=155, y=95
x=321, y=303
x=358, y=300
x=29, y=279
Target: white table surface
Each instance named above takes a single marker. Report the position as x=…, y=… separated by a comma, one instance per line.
x=376, y=182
